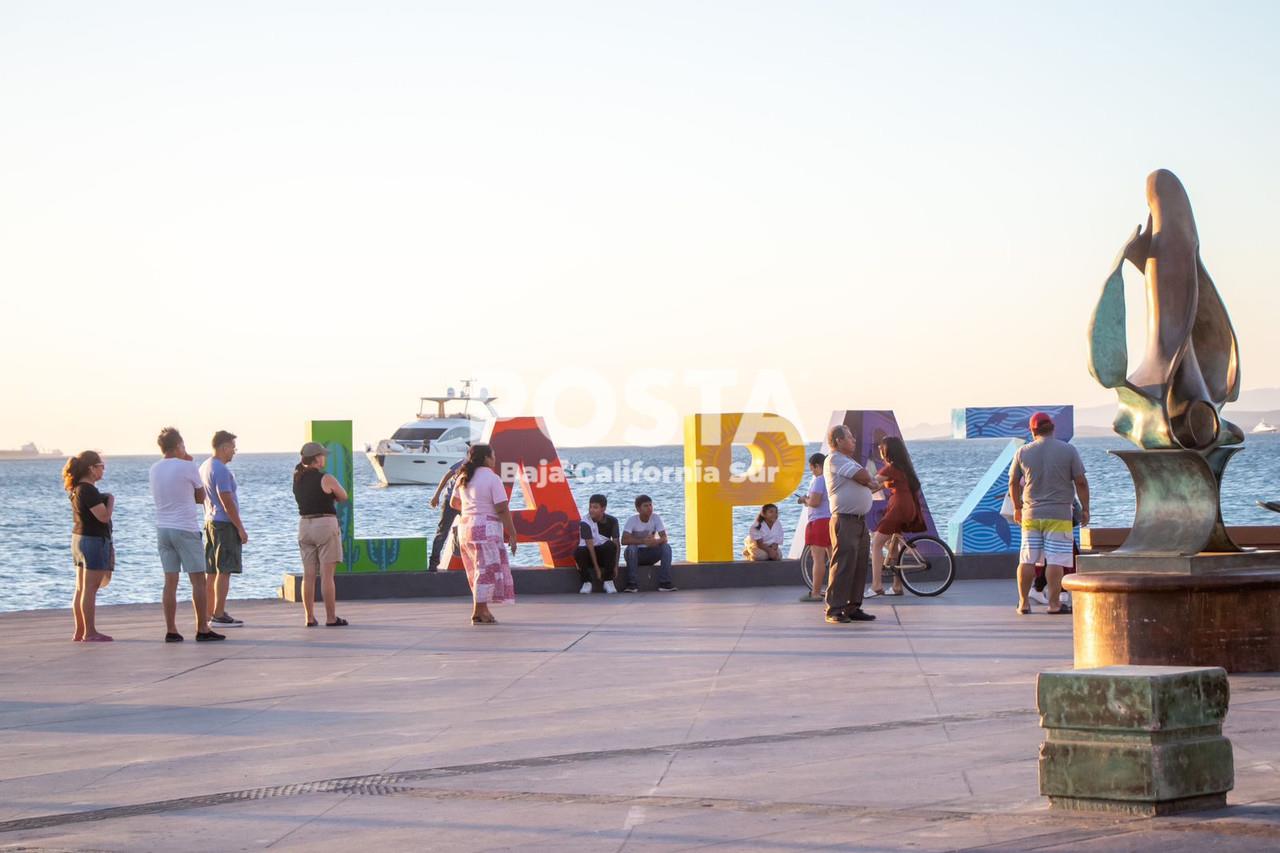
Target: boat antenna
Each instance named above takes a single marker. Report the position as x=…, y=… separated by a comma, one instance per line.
x=466, y=396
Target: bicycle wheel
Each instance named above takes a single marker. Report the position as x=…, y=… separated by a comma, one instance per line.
x=927, y=566
x=806, y=567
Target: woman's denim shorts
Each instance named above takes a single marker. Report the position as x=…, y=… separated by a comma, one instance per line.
x=95, y=553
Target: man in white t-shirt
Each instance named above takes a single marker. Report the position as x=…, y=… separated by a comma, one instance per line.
x=644, y=537
x=178, y=493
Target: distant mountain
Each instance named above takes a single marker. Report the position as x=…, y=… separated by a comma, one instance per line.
x=1258, y=404
x=1258, y=400
x=1253, y=406
x=922, y=432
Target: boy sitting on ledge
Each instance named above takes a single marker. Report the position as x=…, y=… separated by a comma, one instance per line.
x=597, y=552
x=645, y=538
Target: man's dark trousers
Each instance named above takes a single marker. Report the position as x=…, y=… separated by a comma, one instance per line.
x=606, y=555
x=851, y=552
x=447, y=515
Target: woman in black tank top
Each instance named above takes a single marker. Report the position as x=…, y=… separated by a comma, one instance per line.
x=319, y=535
x=308, y=491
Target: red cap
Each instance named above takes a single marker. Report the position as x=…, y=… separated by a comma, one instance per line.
x=1039, y=420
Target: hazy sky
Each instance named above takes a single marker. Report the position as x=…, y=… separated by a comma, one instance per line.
x=245, y=215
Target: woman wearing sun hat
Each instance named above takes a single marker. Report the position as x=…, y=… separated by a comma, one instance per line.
x=319, y=536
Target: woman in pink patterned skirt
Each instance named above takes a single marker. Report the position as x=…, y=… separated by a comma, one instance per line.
x=482, y=501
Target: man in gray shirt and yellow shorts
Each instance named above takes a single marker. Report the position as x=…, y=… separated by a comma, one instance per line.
x=1044, y=480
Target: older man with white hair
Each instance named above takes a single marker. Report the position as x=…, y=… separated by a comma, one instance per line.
x=849, y=491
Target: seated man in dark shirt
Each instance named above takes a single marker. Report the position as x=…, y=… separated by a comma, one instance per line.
x=598, y=546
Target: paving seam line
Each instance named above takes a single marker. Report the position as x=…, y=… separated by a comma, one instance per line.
x=386, y=783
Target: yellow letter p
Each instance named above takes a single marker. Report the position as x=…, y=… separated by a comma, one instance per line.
x=713, y=485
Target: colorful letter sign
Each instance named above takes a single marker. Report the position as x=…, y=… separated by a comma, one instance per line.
x=977, y=527
x=1009, y=421
x=714, y=485
x=526, y=456
x=869, y=429
x=406, y=554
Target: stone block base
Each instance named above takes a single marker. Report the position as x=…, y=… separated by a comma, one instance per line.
x=1143, y=740
x=1189, y=804
x=1231, y=619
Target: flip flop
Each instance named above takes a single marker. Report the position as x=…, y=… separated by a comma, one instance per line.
x=336, y=623
x=1023, y=611
x=97, y=638
x=1066, y=608
x=312, y=623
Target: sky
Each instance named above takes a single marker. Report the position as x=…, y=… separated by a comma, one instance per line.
x=248, y=215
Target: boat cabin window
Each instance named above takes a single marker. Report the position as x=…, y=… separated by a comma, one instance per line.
x=463, y=432
x=417, y=434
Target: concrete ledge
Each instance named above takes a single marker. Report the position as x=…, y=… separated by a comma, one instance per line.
x=1246, y=536
x=370, y=585
x=974, y=567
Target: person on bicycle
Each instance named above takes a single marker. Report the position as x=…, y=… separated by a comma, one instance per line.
x=817, y=532
x=903, y=514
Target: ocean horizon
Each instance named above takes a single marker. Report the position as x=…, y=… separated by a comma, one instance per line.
x=35, y=534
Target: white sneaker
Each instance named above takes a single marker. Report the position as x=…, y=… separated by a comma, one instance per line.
x=586, y=588
x=609, y=587
x=1037, y=597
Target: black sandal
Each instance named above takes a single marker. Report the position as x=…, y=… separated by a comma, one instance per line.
x=312, y=623
x=1066, y=608
x=336, y=623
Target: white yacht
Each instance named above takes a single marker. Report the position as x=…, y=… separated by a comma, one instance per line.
x=1263, y=426
x=421, y=452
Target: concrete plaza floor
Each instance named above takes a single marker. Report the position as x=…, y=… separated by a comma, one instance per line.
x=727, y=719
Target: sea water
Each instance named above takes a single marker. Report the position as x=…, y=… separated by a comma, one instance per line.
x=35, y=525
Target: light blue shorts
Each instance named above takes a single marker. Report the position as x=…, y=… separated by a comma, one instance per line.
x=180, y=550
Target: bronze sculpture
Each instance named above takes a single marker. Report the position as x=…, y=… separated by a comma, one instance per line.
x=1170, y=406
x=1178, y=591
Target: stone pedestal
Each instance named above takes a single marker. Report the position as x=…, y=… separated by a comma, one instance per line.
x=1144, y=740
x=1229, y=619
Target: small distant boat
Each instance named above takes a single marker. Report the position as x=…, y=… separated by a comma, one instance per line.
x=1264, y=427
x=30, y=451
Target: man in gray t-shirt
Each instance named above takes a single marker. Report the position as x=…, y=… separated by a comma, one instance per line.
x=1044, y=480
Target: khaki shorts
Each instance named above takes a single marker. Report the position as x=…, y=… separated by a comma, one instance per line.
x=320, y=541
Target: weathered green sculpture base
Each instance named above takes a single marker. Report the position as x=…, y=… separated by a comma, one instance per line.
x=1189, y=804
x=1179, y=495
x=1226, y=619
x=1141, y=740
